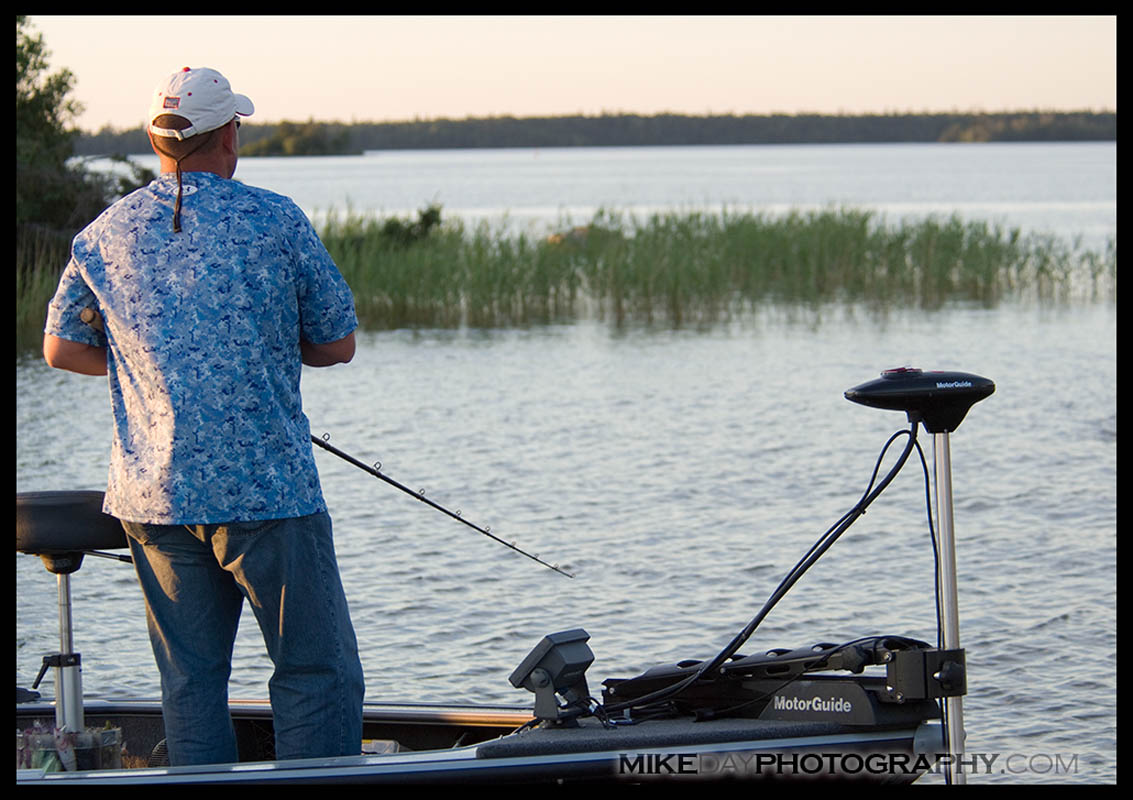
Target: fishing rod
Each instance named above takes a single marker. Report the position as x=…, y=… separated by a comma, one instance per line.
x=94, y=320
x=377, y=473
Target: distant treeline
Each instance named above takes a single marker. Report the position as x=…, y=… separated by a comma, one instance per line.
x=635, y=130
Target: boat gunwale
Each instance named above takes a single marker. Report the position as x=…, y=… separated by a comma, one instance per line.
x=456, y=764
x=488, y=715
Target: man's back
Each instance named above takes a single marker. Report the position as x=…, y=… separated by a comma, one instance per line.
x=203, y=329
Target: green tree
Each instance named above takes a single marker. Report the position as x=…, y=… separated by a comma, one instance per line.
x=56, y=195
x=301, y=139
x=43, y=109
x=52, y=193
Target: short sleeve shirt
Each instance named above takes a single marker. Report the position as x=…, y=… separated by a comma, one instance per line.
x=203, y=329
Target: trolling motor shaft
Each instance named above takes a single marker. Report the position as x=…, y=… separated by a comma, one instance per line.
x=939, y=401
x=950, y=606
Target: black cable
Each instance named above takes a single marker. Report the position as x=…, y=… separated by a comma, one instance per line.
x=826, y=540
x=806, y=562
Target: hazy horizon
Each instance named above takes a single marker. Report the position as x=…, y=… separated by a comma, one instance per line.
x=400, y=69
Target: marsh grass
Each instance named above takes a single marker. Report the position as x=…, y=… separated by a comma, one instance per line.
x=695, y=268
x=40, y=257
x=672, y=269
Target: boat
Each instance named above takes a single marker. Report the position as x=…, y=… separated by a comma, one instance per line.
x=880, y=709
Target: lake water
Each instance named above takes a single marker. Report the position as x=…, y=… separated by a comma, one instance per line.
x=1065, y=188
x=679, y=474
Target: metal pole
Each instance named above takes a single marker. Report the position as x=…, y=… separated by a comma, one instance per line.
x=949, y=603
x=68, y=678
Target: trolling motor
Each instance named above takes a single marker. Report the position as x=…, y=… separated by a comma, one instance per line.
x=940, y=401
x=791, y=684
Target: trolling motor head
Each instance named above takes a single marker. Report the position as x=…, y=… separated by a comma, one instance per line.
x=938, y=399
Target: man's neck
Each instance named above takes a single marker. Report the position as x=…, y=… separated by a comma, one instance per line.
x=188, y=165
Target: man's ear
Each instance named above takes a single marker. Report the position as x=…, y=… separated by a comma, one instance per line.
x=228, y=136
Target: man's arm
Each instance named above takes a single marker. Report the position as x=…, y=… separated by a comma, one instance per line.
x=324, y=355
x=90, y=360
x=77, y=357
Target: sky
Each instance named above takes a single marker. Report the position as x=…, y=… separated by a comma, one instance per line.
x=380, y=68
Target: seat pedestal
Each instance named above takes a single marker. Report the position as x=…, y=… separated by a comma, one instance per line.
x=60, y=527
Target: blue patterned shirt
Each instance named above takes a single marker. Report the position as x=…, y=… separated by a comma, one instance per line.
x=203, y=329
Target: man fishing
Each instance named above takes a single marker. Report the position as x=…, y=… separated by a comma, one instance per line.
x=202, y=298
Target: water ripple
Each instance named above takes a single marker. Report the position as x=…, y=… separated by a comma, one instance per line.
x=669, y=474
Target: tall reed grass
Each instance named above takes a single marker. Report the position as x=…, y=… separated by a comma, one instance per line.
x=682, y=268
x=700, y=268
x=40, y=257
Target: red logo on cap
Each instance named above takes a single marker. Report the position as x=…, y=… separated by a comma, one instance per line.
x=171, y=102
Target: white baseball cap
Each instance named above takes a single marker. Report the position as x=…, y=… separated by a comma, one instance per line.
x=203, y=96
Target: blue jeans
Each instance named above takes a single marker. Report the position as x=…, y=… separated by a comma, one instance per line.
x=195, y=579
